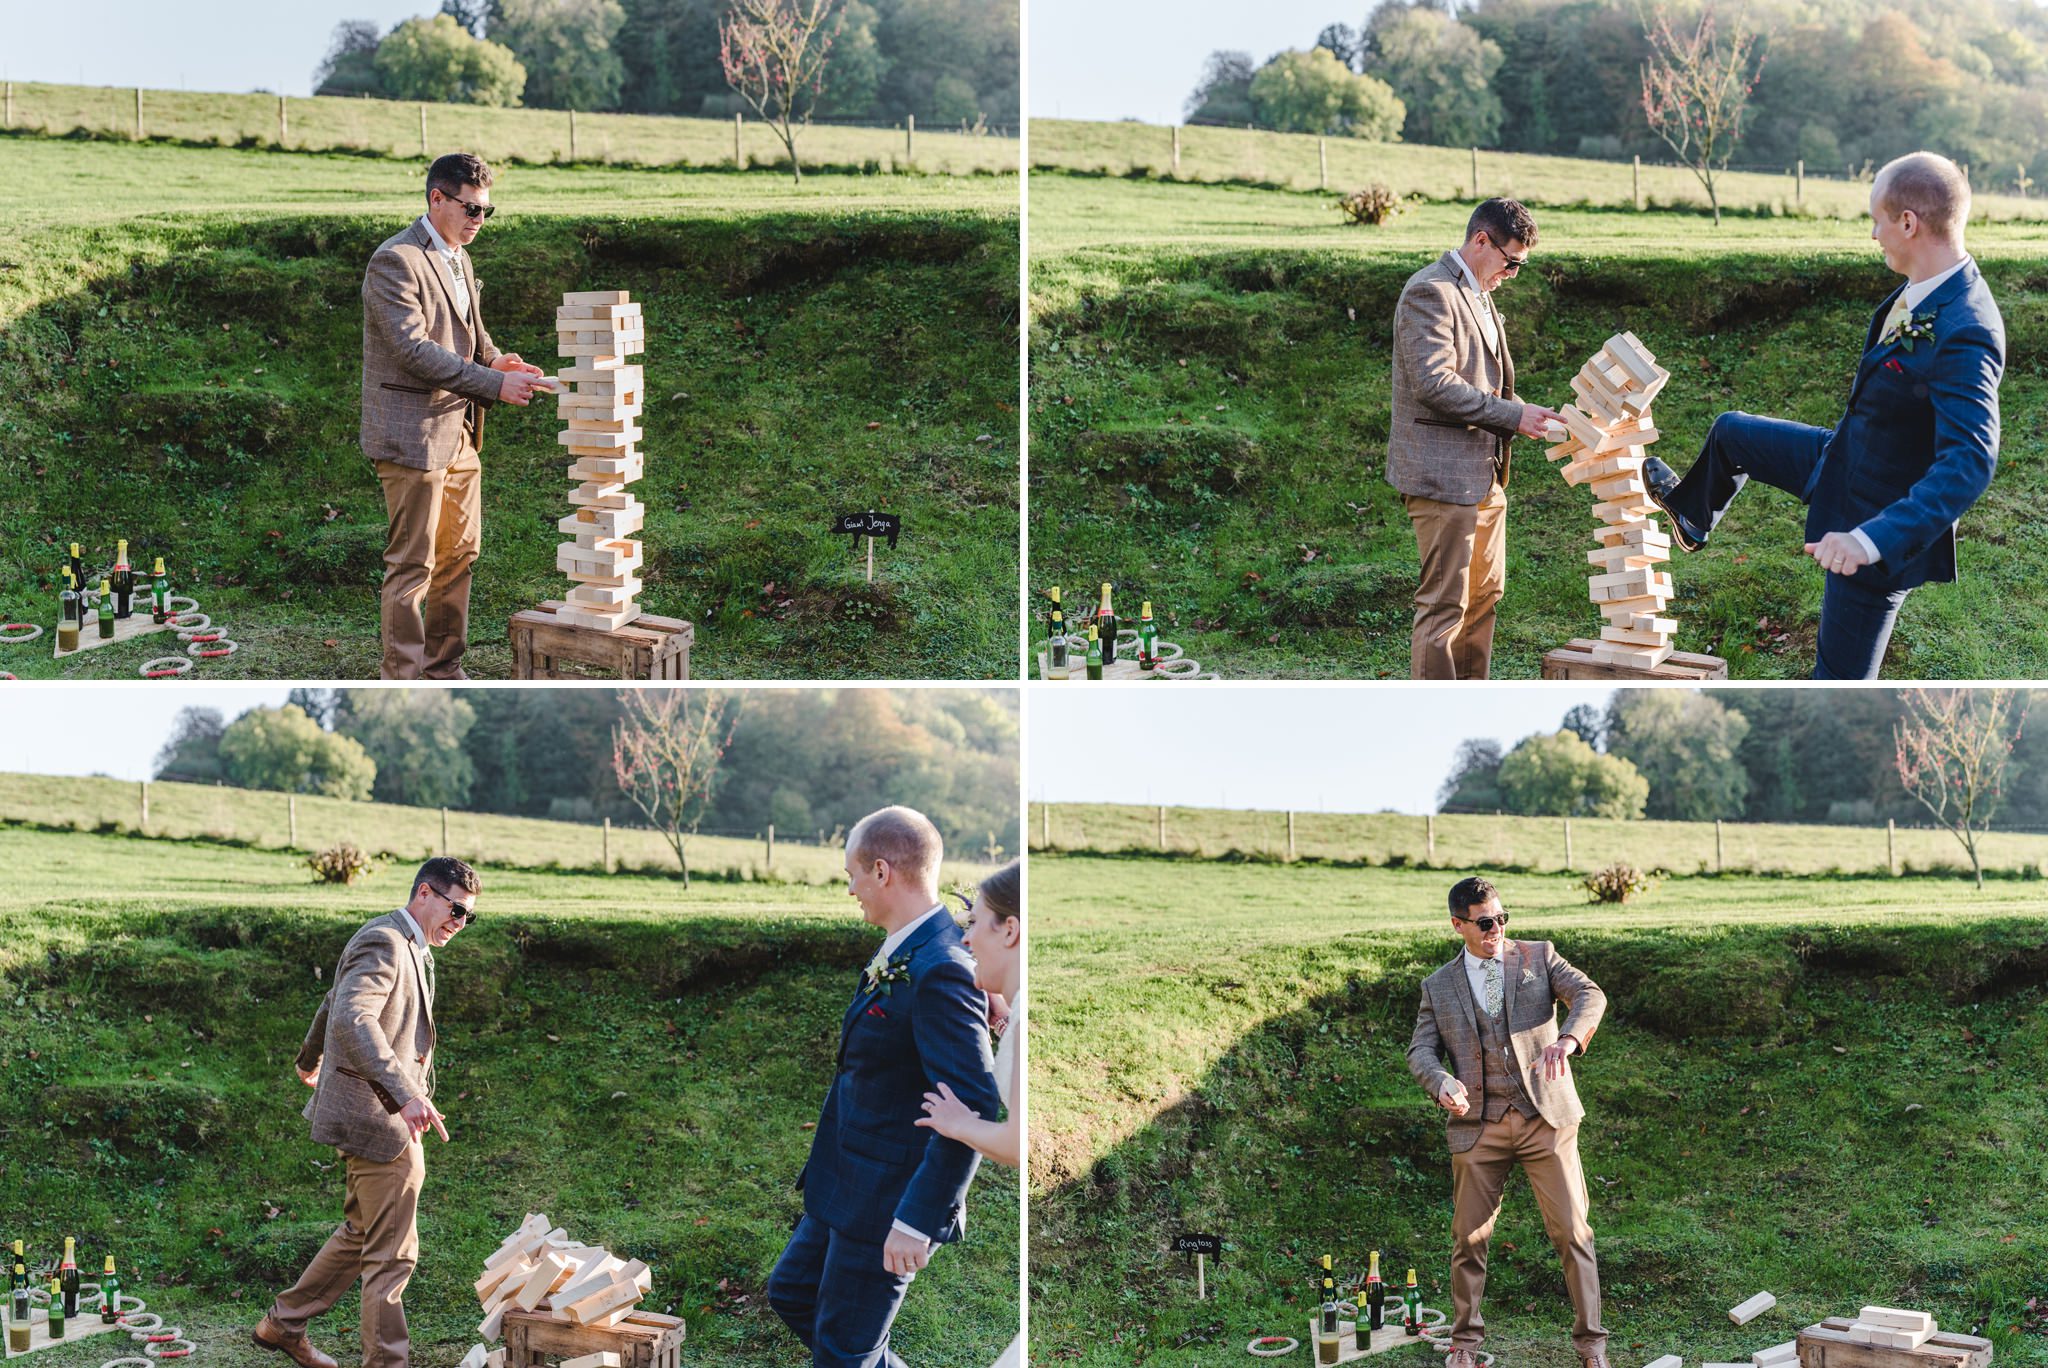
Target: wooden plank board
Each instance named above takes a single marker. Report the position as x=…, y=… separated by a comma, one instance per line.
x=1575, y=661
x=76, y=1328
x=125, y=629
x=1389, y=1336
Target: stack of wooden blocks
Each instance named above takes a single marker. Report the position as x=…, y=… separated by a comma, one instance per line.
x=1603, y=437
x=1892, y=1329
x=599, y=329
x=539, y=1265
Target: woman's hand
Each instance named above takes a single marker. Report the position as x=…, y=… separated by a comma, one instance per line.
x=946, y=1113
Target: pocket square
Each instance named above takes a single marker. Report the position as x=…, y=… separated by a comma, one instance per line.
x=1893, y=365
x=876, y=1012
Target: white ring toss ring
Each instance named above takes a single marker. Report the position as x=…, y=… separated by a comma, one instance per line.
x=209, y=649
x=178, y=620
x=170, y=1334
x=132, y=1321
x=1260, y=1347
x=164, y=667
x=171, y=605
x=129, y=1363
x=89, y=1296
x=31, y=628
x=38, y=1296
x=164, y=1351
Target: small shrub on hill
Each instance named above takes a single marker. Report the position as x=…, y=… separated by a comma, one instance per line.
x=340, y=864
x=1617, y=883
x=1371, y=206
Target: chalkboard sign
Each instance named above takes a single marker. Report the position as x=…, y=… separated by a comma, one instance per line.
x=1197, y=1244
x=858, y=525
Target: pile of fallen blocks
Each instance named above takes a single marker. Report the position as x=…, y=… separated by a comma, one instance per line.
x=1862, y=1342
x=540, y=1269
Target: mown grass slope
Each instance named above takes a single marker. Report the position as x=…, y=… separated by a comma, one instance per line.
x=190, y=382
x=639, y=1064
x=1821, y=1088
x=1210, y=404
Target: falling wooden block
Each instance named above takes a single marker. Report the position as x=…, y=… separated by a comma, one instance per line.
x=1667, y=1361
x=1777, y=1354
x=1590, y=434
x=1627, y=351
x=1751, y=1309
x=595, y=1278
x=491, y=1324
x=1895, y=1319
x=547, y=1275
x=476, y=1357
x=1594, y=397
x=1616, y=488
x=604, y=1358
x=494, y=1278
x=617, y=1297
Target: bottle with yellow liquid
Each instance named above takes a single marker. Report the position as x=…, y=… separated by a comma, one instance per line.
x=17, y=1320
x=56, y=1310
x=1094, y=661
x=106, y=611
x=1326, y=1328
x=1056, y=641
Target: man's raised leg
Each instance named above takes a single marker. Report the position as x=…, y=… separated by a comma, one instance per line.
x=1739, y=447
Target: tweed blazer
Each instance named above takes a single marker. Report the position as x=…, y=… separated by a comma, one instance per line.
x=1455, y=409
x=426, y=365
x=1535, y=978
x=373, y=1042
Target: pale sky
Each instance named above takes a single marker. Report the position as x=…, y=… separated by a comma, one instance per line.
x=1138, y=59
x=1341, y=748
x=110, y=729
x=234, y=46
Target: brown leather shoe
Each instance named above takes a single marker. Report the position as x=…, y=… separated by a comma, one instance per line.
x=1461, y=1358
x=1598, y=1360
x=269, y=1335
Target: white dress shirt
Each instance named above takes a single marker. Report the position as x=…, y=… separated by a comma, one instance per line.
x=1910, y=298
x=413, y=932
x=889, y=944
x=1481, y=303
x=451, y=257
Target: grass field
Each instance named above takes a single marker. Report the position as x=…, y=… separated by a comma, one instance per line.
x=391, y=128
x=1210, y=369
x=404, y=835
x=1533, y=844
x=1820, y=1088
x=644, y=1078
x=1289, y=161
x=182, y=369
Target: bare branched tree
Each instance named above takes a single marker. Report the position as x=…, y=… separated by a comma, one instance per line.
x=1953, y=746
x=666, y=749
x=1696, y=90
x=774, y=53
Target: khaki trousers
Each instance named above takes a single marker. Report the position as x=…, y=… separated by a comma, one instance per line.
x=436, y=530
x=378, y=1241
x=1478, y=1176
x=1463, y=550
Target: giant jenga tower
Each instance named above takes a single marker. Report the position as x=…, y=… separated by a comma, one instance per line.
x=599, y=329
x=1604, y=435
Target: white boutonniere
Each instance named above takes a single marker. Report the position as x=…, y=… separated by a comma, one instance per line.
x=884, y=974
x=1913, y=328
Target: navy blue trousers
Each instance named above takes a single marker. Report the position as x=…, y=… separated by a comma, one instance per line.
x=835, y=1294
x=1856, y=620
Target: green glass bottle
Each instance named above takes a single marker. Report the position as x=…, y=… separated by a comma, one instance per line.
x=1412, y=1309
x=1148, y=640
x=1105, y=618
x=110, y=1294
x=56, y=1310
x=106, y=612
x=159, y=595
x=1094, y=651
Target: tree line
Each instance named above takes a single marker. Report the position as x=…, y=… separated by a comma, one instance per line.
x=1757, y=755
x=810, y=762
x=1844, y=87
x=949, y=63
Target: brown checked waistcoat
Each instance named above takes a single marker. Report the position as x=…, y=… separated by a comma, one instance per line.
x=373, y=1042
x=426, y=366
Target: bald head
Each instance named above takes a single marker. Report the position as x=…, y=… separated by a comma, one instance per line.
x=1930, y=187
x=904, y=837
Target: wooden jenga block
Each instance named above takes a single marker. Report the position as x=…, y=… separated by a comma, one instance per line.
x=613, y=313
x=601, y=493
x=1624, y=636
x=1628, y=509
x=1627, y=351
x=624, y=467
x=604, y=522
x=603, y=1358
x=602, y=441
x=1615, y=488
x=587, y=595
x=1627, y=584
x=615, y=559
x=1637, y=532
x=618, y=1296
x=1595, y=399
x=1590, y=434
x=547, y=1275
x=603, y=619
x=577, y=299
x=1635, y=657
x=1637, y=401
x=1751, y=1309
x=1895, y=1319
x=1626, y=557
x=1581, y=470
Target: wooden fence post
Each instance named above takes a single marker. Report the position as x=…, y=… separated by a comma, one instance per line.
x=1290, y=834
x=10, y=104
x=1322, y=164
x=1045, y=826
x=143, y=825
x=607, y=845
x=1891, y=848
x=1720, y=857
x=283, y=123
x=1475, y=173
x=444, y=831
x=1429, y=828
x=738, y=121
x=572, y=135
x=1162, y=828
x=291, y=819
x=1176, y=150
x=138, y=113
x=771, y=845
x=910, y=137
x=1567, y=845
x=1799, y=181
x=423, y=131
x=1636, y=184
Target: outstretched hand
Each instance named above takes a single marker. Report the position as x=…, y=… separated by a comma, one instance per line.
x=1839, y=553
x=946, y=1113
x=1536, y=421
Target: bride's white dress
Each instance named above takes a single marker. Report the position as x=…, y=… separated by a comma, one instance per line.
x=1006, y=1068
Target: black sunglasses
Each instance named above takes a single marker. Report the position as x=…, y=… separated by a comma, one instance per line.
x=475, y=211
x=467, y=914
x=1487, y=923
x=1514, y=263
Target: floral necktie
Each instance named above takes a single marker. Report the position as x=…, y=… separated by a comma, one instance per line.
x=1493, y=986
x=429, y=953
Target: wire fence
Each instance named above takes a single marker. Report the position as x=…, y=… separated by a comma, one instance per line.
x=412, y=130
x=1477, y=843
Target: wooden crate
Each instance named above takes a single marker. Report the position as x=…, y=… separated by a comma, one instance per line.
x=645, y=1339
x=1827, y=1345
x=646, y=648
x=1575, y=661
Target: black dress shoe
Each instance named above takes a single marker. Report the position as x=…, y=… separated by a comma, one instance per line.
x=1661, y=479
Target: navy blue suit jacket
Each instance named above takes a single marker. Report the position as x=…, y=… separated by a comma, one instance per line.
x=871, y=1164
x=1919, y=440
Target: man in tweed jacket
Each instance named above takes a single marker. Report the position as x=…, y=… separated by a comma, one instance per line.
x=1488, y=1050
x=1455, y=413
x=429, y=370
x=369, y=1059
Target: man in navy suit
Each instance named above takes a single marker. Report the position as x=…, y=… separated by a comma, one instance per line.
x=1914, y=449
x=879, y=1191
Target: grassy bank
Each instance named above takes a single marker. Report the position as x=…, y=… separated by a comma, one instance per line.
x=1824, y=1090
x=190, y=382
x=1139, y=151
x=645, y=1076
x=399, y=834
x=392, y=128
x=1465, y=841
x=1210, y=410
